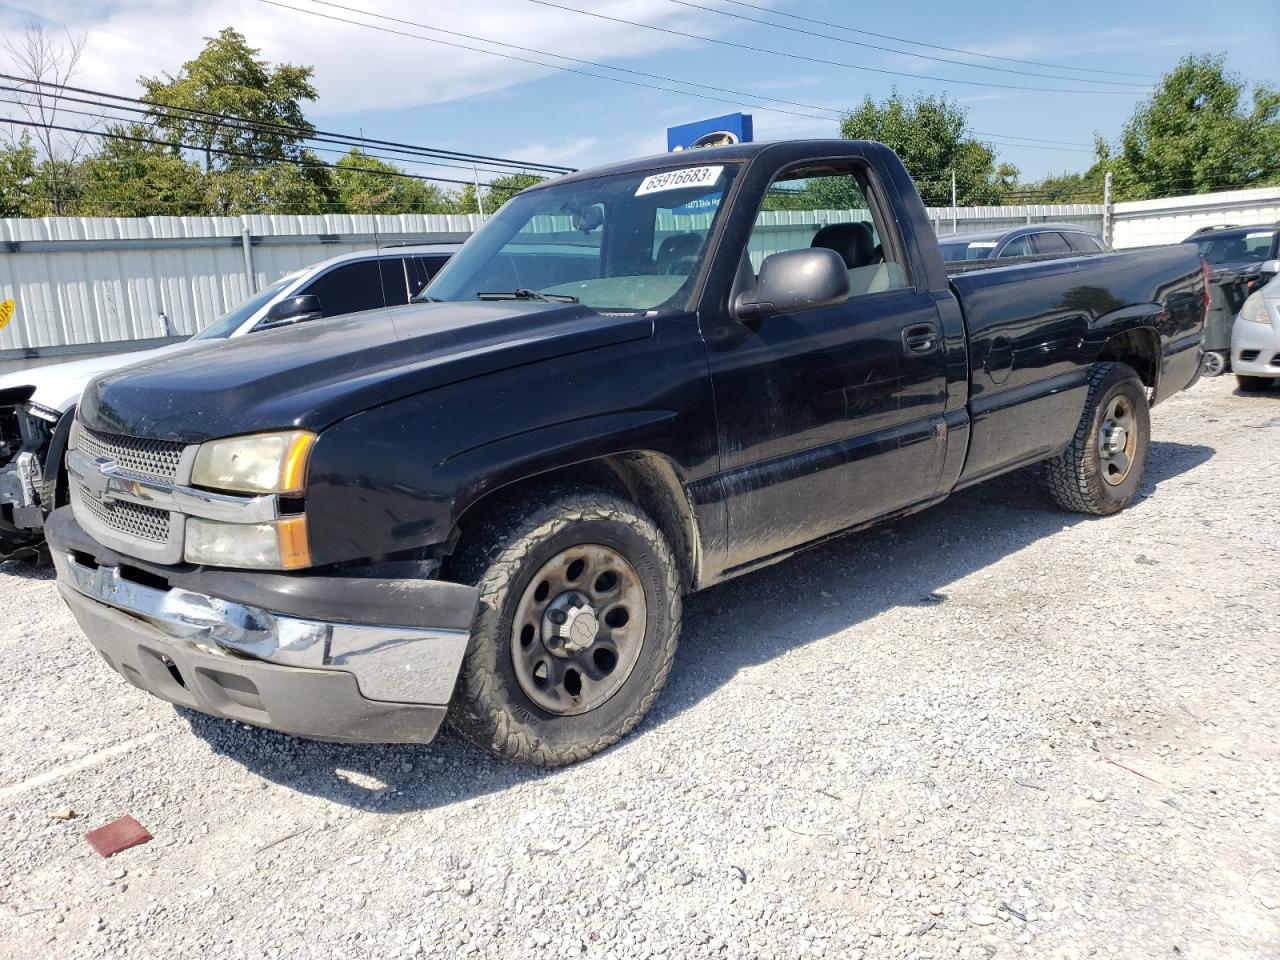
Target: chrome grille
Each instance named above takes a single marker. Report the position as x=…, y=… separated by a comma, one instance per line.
x=156, y=459
x=130, y=519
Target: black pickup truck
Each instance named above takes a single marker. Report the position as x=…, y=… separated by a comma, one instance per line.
x=630, y=384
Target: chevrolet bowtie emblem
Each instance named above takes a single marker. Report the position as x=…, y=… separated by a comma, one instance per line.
x=95, y=481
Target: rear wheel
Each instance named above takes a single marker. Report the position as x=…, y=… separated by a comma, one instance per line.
x=1101, y=469
x=1214, y=363
x=577, y=629
x=1253, y=384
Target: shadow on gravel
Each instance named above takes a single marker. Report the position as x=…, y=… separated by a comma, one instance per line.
x=739, y=624
x=28, y=565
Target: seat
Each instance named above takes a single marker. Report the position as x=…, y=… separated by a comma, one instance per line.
x=676, y=253
x=856, y=244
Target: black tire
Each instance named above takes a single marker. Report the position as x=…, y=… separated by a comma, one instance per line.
x=1253, y=384
x=1075, y=477
x=501, y=557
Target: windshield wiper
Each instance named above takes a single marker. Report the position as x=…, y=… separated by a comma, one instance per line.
x=524, y=293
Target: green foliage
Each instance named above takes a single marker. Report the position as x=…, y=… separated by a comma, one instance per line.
x=500, y=190
x=1198, y=133
x=18, y=179
x=126, y=178
x=365, y=184
x=928, y=133
x=228, y=77
x=1065, y=187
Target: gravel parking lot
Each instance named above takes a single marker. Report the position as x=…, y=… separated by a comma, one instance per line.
x=994, y=729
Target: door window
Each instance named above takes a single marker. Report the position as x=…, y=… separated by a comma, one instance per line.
x=420, y=270
x=1083, y=242
x=828, y=206
x=1051, y=242
x=395, y=290
x=350, y=288
x=1018, y=247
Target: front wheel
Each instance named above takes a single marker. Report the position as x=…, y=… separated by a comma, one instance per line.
x=577, y=628
x=1253, y=384
x=1101, y=469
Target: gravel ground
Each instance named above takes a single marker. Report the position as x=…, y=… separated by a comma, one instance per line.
x=991, y=730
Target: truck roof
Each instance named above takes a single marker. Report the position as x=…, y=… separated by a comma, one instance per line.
x=738, y=152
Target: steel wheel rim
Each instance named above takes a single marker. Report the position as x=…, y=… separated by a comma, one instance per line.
x=1117, y=441
x=578, y=629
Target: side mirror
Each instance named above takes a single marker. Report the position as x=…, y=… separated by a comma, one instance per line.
x=794, y=280
x=292, y=310
x=1268, y=269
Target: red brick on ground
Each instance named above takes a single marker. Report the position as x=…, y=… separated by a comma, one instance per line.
x=119, y=834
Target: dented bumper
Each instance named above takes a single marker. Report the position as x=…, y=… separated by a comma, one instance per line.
x=381, y=672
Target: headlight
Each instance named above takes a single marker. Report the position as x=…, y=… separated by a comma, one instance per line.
x=73, y=436
x=278, y=545
x=1254, y=309
x=259, y=463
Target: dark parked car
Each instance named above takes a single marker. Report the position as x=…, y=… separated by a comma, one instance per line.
x=630, y=384
x=1038, y=239
x=1241, y=260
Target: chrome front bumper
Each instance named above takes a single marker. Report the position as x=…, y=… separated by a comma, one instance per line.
x=325, y=679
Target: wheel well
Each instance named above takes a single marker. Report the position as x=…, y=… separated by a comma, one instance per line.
x=1140, y=349
x=646, y=479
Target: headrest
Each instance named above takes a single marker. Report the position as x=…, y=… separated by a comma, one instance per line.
x=853, y=241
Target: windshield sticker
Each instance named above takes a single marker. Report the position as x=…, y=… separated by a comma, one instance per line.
x=679, y=179
x=706, y=204
x=1258, y=236
x=983, y=244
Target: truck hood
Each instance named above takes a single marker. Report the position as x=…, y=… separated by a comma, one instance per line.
x=314, y=374
x=58, y=385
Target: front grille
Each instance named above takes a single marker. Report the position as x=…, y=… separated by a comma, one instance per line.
x=130, y=519
x=151, y=459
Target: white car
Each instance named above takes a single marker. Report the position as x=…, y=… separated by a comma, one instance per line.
x=34, y=403
x=1255, y=339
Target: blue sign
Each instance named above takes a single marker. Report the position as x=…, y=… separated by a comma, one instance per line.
x=716, y=132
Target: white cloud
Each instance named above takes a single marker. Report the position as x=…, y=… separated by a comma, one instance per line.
x=359, y=68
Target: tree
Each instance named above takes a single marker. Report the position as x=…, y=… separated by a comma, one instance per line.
x=18, y=179
x=128, y=178
x=365, y=184
x=228, y=77
x=928, y=133
x=497, y=192
x=48, y=64
x=1064, y=187
x=1197, y=134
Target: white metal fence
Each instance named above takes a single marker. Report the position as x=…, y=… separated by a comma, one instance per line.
x=93, y=285
x=1141, y=223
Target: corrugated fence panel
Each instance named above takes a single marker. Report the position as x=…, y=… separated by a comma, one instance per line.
x=1141, y=223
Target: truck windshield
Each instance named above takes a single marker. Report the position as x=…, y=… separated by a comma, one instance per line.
x=625, y=243
x=1252, y=247
x=230, y=322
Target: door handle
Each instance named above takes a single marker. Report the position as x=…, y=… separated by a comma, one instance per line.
x=921, y=338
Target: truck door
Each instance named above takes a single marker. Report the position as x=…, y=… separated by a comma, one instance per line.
x=831, y=416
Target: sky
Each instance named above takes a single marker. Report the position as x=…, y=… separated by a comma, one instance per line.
x=413, y=86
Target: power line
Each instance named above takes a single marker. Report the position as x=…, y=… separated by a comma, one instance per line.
x=935, y=46
x=819, y=60
x=311, y=133
x=743, y=98
x=874, y=46
x=232, y=123
x=178, y=145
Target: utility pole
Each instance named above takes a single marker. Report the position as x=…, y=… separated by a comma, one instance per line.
x=479, y=199
x=1108, y=213
x=954, y=211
